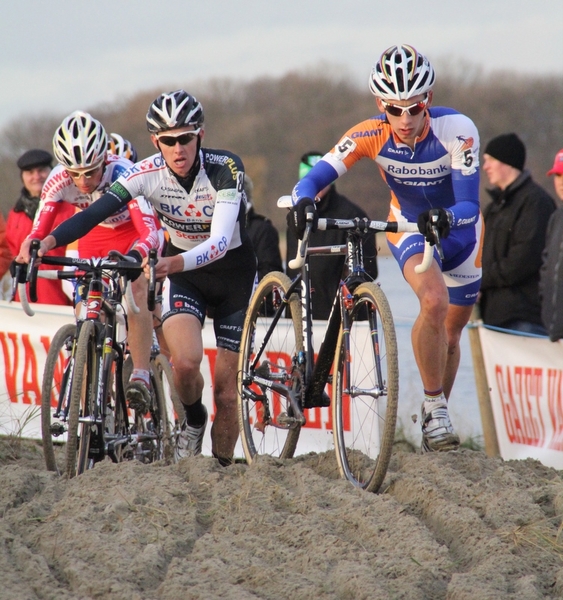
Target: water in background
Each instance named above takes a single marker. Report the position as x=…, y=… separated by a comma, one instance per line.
x=463, y=404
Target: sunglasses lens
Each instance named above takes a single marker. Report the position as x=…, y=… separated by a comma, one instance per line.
x=416, y=110
x=183, y=139
x=398, y=111
x=86, y=174
x=395, y=111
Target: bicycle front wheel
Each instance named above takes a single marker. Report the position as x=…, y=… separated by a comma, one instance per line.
x=55, y=391
x=82, y=420
x=265, y=417
x=153, y=429
x=366, y=390
x=173, y=407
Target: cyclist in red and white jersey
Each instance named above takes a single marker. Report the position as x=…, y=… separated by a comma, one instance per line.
x=119, y=146
x=85, y=171
x=209, y=263
x=429, y=159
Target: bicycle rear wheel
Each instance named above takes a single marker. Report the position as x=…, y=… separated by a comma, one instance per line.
x=82, y=425
x=265, y=417
x=366, y=390
x=55, y=391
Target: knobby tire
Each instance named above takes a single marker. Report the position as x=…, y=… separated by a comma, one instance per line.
x=261, y=422
x=55, y=384
x=82, y=401
x=367, y=363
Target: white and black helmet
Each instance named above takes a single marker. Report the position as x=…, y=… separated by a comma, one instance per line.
x=174, y=110
x=401, y=73
x=80, y=141
x=118, y=145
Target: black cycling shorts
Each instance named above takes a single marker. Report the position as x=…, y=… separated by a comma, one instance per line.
x=222, y=288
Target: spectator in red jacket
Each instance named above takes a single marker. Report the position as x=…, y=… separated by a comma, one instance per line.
x=5, y=256
x=35, y=166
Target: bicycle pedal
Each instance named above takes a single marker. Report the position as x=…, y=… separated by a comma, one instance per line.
x=286, y=422
x=57, y=429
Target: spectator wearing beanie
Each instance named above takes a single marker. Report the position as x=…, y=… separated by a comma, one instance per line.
x=35, y=166
x=515, y=234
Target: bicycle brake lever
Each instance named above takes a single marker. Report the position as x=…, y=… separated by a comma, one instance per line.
x=438, y=242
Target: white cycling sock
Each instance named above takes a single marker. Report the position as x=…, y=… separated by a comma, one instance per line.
x=430, y=401
x=141, y=374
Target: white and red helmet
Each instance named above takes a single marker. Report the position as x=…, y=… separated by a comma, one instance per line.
x=80, y=141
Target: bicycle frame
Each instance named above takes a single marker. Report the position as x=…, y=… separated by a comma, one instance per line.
x=101, y=305
x=279, y=377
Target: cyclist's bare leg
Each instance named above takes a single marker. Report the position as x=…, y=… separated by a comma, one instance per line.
x=429, y=333
x=157, y=326
x=182, y=333
x=457, y=319
x=224, y=433
x=140, y=327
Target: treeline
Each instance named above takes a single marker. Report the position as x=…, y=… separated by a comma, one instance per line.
x=271, y=122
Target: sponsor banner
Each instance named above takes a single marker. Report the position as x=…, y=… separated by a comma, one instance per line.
x=524, y=375
x=25, y=341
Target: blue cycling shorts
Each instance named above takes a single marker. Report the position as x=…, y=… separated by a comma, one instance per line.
x=461, y=267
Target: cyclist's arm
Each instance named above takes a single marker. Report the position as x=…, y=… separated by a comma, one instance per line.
x=464, y=152
x=42, y=225
x=44, y=219
x=465, y=211
x=321, y=175
x=82, y=222
x=146, y=223
x=339, y=160
x=222, y=228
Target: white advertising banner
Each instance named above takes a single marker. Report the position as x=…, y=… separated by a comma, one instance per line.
x=25, y=341
x=525, y=381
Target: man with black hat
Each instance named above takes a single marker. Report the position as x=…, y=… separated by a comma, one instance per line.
x=35, y=166
x=515, y=234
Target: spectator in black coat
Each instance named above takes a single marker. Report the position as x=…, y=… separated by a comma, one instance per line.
x=263, y=234
x=326, y=271
x=515, y=234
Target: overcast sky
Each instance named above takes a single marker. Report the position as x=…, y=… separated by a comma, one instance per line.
x=60, y=55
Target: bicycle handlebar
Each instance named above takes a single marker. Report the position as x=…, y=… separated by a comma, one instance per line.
x=115, y=261
x=363, y=225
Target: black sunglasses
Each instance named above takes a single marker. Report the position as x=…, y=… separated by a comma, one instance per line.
x=183, y=139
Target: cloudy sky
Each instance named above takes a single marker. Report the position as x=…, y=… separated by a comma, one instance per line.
x=61, y=55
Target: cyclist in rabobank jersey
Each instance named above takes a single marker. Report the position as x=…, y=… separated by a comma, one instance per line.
x=198, y=195
x=85, y=171
x=429, y=159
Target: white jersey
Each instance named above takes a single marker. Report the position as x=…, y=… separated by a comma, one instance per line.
x=205, y=221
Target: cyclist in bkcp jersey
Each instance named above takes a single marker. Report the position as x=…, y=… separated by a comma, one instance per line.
x=198, y=195
x=85, y=171
x=429, y=159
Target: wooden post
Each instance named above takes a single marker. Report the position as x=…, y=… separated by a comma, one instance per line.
x=487, y=420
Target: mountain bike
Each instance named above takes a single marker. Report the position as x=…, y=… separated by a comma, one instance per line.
x=84, y=370
x=280, y=376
